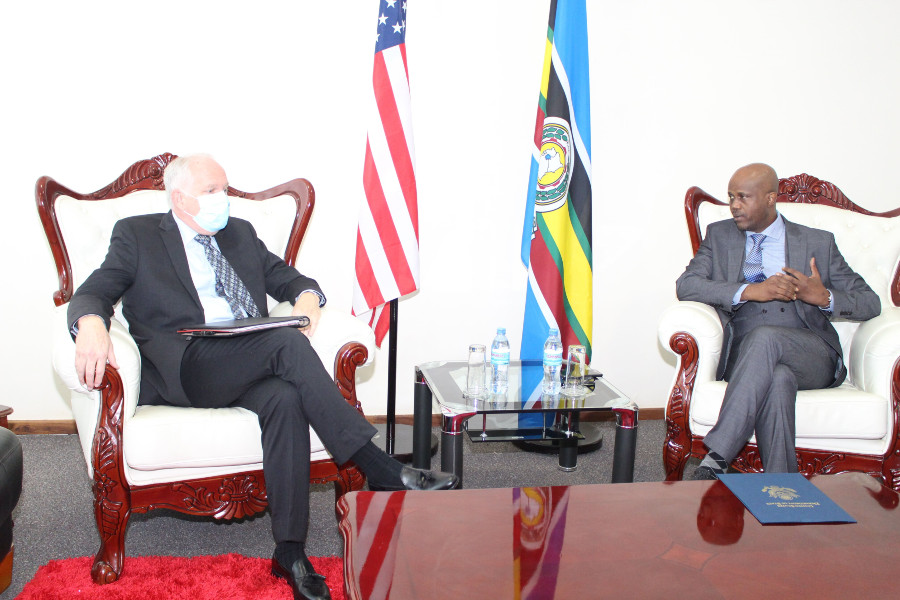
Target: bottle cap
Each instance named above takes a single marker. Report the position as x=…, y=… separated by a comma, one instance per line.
x=501, y=330
x=554, y=331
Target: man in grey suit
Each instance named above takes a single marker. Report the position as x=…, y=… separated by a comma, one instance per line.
x=195, y=264
x=775, y=285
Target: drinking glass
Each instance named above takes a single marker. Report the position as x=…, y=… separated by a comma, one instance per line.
x=475, y=375
x=575, y=371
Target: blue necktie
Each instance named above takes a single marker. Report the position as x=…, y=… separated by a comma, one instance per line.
x=228, y=284
x=753, y=269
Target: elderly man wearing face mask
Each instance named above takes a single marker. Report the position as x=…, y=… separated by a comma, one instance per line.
x=164, y=269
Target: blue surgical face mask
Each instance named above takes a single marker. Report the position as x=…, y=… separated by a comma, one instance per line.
x=213, y=213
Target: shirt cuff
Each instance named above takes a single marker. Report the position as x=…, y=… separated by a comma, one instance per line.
x=736, y=300
x=321, y=297
x=830, y=307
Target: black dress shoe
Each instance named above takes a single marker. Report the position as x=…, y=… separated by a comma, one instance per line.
x=419, y=479
x=305, y=583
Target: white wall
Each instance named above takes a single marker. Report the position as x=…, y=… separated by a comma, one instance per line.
x=682, y=94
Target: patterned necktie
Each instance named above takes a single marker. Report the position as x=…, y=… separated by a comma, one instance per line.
x=753, y=269
x=228, y=284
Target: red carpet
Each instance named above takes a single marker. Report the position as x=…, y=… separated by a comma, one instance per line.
x=227, y=577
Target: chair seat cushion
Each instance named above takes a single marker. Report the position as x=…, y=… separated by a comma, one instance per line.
x=836, y=413
x=172, y=437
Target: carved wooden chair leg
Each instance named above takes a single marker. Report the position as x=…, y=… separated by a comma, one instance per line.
x=674, y=460
x=112, y=523
x=890, y=474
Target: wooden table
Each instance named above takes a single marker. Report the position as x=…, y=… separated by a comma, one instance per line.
x=686, y=539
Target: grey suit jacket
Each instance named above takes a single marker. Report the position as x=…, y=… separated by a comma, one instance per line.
x=716, y=272
x=146, y=267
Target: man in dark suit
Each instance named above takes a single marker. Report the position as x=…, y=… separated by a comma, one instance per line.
x=169, y=272
x=775, y=285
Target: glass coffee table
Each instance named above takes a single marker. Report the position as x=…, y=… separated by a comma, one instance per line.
x=445, y=382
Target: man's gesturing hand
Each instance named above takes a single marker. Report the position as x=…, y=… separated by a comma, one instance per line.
x=777, y=287
x=810, y=289
x=93, y=350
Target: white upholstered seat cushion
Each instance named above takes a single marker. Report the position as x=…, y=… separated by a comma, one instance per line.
x=167, y=443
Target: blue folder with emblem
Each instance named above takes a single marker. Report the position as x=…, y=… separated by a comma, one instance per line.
x=784, y=498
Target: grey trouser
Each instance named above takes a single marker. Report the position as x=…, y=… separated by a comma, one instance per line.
x=771, y=365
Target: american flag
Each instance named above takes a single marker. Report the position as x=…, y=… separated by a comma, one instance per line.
x=387, y=241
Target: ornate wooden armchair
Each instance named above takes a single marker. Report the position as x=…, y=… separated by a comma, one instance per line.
x=198, y=461
x=854, y=427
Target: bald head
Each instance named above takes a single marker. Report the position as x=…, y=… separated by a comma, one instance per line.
x=760, y=173
x=752, y=192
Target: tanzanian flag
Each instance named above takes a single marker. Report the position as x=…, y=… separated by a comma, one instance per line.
x=556, y=241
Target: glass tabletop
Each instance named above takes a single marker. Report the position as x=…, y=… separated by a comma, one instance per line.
x=447, y=382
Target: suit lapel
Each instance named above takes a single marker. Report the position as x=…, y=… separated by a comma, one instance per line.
x=171, y=237
x=796, y=254
x=796, y=257
x=735, y=247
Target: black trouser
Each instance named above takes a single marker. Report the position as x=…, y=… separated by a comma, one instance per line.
x=277, y=375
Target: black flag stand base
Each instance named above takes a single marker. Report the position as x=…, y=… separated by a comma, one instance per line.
x=396, y=440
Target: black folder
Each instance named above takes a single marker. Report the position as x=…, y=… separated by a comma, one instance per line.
x=242, y=326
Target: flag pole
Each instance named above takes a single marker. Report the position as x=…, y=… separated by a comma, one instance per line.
x=392, y=380
x=397, y=440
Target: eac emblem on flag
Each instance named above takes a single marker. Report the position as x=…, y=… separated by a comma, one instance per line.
x=554, y=166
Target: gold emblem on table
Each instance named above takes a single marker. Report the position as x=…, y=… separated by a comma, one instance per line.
x=781, y=493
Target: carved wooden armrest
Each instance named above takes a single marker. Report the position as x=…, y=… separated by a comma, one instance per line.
x=107, y=445
x=349, y=357
x=700, y=324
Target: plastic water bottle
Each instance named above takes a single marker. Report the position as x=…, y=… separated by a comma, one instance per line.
x=500, y=362
x=552, y=363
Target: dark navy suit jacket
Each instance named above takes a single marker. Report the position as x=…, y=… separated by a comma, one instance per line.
x=146, y=267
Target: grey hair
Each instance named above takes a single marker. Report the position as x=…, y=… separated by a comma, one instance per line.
x=178, y=173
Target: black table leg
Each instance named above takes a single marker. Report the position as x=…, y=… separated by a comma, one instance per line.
x=452, y=445
x=626, y=443
x=421, y=424
x=452, y=454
